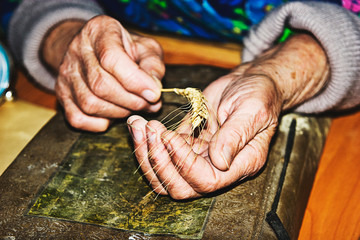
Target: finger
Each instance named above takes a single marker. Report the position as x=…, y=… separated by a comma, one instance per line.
x=202, y=176
x=105, y=86
x=164, y=168
x=196, y=170
x=111, y=55
x=252, y=157
x=136, y=125
x=79, y=120
x=92, y=105
x=71, y=77
x=150, y=57
x=185, y=126
x=74, y=115
x=234, y=134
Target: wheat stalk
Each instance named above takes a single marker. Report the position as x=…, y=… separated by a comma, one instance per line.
x=199, y=110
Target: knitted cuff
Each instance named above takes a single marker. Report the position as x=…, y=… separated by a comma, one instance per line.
x=31, y=22
x=337, y=29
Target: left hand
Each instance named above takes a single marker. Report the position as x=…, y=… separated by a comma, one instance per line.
x=104, y=72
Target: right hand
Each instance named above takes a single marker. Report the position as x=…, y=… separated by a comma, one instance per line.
x=107, y=73
x=247, y=103
x=226, y=151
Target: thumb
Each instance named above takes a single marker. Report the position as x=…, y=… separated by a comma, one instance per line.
x=230, y=139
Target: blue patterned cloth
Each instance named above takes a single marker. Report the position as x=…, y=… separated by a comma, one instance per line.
x=210, y=19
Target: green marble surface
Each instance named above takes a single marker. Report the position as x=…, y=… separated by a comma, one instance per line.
x=98, y=183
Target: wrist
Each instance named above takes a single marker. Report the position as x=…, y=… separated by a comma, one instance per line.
x=56, y=42
x=298, y=67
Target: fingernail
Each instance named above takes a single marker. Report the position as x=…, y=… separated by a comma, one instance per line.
x=129, y=121
x=166, y=143
x=149, y=95
x=136, y=133
x=226, y=154
x=157, y=81
x=155, y=108
x=151, y=134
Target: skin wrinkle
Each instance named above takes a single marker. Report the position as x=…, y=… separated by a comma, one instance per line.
x=148, y=58
x=246, y=95
x=102, y=92
x=52, y=44
x=253, y=168
x=149, y=174
x=166, y=183
x=259, y=155
x=309, y=56
x=179, y=164
x=182, y=160
x=97, y=85
x=252, y=125
x=106, y=58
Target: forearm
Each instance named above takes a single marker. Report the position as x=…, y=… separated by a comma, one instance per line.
x=30, y=24
x=338, y=31
x=55, y=44
x=298, y=67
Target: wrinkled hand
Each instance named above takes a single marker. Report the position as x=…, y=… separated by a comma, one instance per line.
x=107, y=73
x=248, y=103
x=247, y=109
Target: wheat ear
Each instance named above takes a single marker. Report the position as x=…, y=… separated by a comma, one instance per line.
x=199, y=110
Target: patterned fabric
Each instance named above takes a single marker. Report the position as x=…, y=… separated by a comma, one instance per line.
x=210, y=19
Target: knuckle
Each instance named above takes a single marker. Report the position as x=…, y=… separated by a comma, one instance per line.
x=64, y=69
x=95, y=23
x=258, y=161
x=73, y=47
x=152, y=44
x=107, y=58
x=238, y=135
x=69, y=66
x=180, y=195
x=102, y=19
x=97, y=83
x=208, y=187
x=138, y=105
x=161, y=69
x=60, y=91
x=123, y=113
x=75, y=119
x=89, y=105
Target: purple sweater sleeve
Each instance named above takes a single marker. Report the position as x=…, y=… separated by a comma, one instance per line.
x=337, y=29
x=32, y=20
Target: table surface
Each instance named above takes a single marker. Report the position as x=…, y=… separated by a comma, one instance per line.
x=333, y=210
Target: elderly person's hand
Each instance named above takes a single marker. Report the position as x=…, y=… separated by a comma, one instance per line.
x=248, y=103
x=104, y=72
